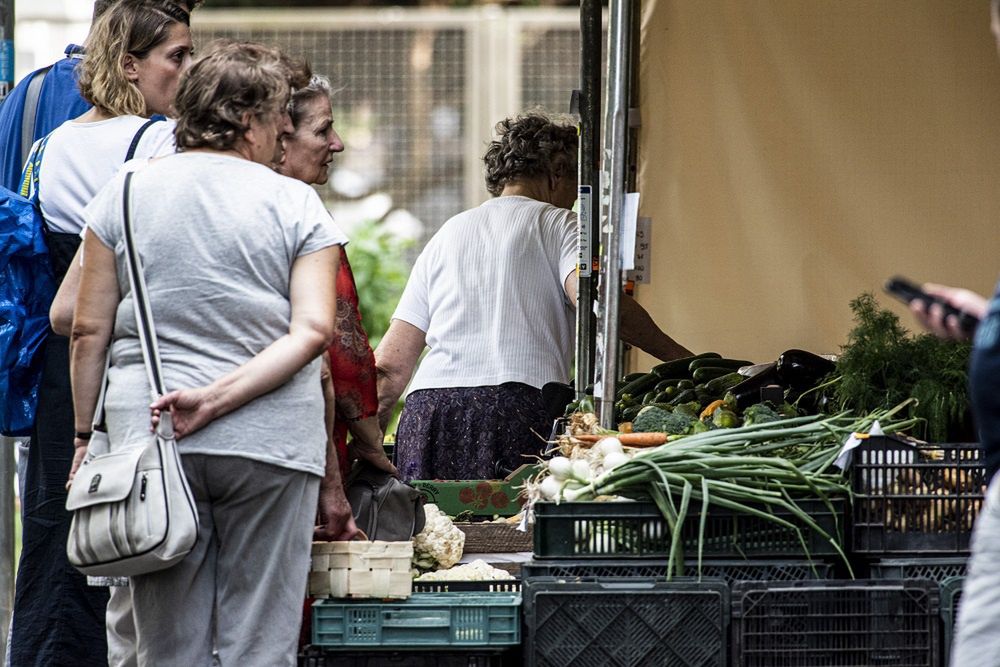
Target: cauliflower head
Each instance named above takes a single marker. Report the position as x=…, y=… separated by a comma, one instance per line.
x=440, y=543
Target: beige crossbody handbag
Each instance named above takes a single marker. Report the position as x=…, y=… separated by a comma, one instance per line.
x=133, y=512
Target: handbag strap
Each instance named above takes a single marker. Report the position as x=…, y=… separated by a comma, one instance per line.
x=140, y=301
x=143, y=314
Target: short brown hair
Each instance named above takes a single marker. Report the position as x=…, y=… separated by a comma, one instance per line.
x=128, y=26
x=529, y=146
x=229, y=81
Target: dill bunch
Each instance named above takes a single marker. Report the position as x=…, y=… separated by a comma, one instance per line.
x=882, y=365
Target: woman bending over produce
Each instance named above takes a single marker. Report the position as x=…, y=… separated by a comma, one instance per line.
x=492, y=296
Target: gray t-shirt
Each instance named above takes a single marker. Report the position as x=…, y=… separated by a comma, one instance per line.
x=217, y=236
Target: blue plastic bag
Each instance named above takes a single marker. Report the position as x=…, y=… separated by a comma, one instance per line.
x=27, y=287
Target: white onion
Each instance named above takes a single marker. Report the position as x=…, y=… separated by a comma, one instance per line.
x=560, y=467
x=607, y=445
x=550, y=488
x=581, y=470
x=614, y=459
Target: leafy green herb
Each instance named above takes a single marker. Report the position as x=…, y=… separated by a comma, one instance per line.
x=882, y=365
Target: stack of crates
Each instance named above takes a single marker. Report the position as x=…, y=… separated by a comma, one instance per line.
x=597, y=593
x=914, y=509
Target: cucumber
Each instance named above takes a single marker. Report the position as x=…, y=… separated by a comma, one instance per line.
x=640, y=385
x=684, y=397
x=628, y=414
x=678, y=368
x=648, y=397
x=732, y=364
x=665, y=395
x=685, y=384
x=724, y=383
x=663, y=385
x=706, y=373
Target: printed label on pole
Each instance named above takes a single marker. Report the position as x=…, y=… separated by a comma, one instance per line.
x=630, y=212
x=585, y=248
x=643, y=245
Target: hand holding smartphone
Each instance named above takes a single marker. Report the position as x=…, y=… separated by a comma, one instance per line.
x=907, y=291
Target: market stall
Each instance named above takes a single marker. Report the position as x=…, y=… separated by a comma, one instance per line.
x=786, y=499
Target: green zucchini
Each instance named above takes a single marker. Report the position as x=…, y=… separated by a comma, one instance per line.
x=640, y=385
x=724, y=383
x=731, y=364
x=684, y=397
x=706, y=373
x=629, y=413
x=631, y=377
x=678, y=368
x=663, y=385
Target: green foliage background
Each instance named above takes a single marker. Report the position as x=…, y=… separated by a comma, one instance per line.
x=380, y=271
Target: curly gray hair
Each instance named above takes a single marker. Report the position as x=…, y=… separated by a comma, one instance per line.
x=231, y=80
x=528, y=146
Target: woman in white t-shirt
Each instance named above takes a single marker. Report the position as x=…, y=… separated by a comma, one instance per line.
x=492, y=296
x=136, y=52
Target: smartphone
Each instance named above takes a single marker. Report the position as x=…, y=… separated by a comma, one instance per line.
x=906, y=291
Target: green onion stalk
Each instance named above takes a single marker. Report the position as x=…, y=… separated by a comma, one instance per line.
x=756, y=470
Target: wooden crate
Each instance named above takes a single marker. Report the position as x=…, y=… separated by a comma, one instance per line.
x=361, y=570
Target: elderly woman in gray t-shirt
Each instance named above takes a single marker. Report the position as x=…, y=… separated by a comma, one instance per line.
x=240, y=265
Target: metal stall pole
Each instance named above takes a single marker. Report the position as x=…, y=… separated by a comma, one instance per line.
x=7, y=445
x=614, y=154
x=590, y=183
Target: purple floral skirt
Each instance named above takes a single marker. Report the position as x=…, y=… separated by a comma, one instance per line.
x=470, y=432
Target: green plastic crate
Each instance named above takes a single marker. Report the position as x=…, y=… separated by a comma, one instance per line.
x=423, y=621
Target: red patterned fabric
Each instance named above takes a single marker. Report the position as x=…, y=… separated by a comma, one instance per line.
x=352, y=362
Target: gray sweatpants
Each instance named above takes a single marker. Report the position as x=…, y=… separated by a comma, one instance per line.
x=977, y=637
x=241, y=588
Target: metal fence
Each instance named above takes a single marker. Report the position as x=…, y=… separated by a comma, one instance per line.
x=418, y=92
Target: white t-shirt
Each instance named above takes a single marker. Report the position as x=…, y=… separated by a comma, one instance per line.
x=488, y=292
x=217, y=236
x=80, y=158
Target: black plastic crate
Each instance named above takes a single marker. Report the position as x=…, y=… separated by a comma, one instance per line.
x=803, y=624
x=951, y=597
x=729, y=571
x=935, y=569
x=318, y=657
x=582, y=530
x=915, y=498
x=496, y=586
x=626, y=623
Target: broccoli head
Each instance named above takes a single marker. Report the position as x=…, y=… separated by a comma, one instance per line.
x=654, y=419
x=760, y=413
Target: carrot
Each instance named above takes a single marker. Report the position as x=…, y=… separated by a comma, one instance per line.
x=628, y=439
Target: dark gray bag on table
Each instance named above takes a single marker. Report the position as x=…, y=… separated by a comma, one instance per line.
x=384, y=507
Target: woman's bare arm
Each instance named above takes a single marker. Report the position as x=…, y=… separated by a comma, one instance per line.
x=395, y=359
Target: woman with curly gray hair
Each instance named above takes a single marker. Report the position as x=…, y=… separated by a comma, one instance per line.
x=493, y=296
x=240, y=272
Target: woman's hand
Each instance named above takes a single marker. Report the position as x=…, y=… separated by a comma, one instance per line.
x=190, y=409
x=335, y=517
x=367, y=444
x=79, y=452
x=934, y=319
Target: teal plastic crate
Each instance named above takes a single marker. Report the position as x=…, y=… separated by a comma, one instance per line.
x=423, y=621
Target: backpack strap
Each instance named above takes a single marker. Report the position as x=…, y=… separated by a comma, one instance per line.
x=30, y=110
x=138, y=135
x=32, y=167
